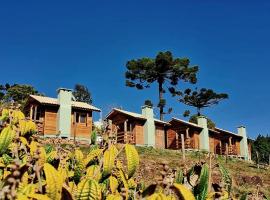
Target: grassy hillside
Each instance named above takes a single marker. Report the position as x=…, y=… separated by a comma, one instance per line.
x=246, y=177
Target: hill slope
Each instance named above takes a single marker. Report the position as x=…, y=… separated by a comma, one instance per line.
x=246, y=177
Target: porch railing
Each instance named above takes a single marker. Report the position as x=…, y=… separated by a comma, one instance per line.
x=125, y=137
x=189, y=144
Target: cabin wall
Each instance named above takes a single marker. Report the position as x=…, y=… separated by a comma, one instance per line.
x=139, y=136
x=160, y=137
x=171, y=139
x=249, y=150
x=195, y=136
x=50, y=122
x=82, y=130
x=212, y=144
x=237, y=146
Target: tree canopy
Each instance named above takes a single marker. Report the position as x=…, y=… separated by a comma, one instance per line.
x=202, y=98
x=81, y=93
x=262, y=146
x=18, y=93
x=165, y=70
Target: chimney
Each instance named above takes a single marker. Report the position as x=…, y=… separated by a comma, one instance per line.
x=243, y=143
x=204, y=135
x=149, y=126
x=64, y=112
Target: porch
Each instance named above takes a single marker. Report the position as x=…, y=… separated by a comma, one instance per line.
x=127, y=137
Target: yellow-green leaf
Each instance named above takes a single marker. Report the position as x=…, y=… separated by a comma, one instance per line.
x=53, y=182
x=93, y=154
x=183, y=192
x=132, y=159
x=6, y=138
x=108, y=162
x=114, y=197
x=113, y=184
x=88, y=189
x=93, y=172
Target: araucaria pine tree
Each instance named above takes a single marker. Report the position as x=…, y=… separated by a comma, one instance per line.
x=202, y=98
x=165, y=70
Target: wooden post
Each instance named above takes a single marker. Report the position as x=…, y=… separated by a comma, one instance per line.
x=226, y=152
x=188, y=139
x=230, y=146
x=125, y=132
x=86, y=120
x=31, y=112
x=183, y=146
x=74, y=128
x=210, y=173
x=257, y=159
x=220, y=147
x=35, y=117
x=176, y=139
x=187, y=132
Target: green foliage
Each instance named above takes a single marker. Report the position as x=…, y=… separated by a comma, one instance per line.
x=179, y=176
x=163, y=69
x=262, y=146
x=226, y=178
x=202, y=98
x=186, y=113
x=94, y=137
x=6, y=138
x=148, y=103
x=18, y=93
x=200, y=190
x=210, y=123
x=81, y=93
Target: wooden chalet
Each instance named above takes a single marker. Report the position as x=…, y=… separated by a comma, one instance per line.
x=61, y=116
x=190, y=131
x=135, y=128
x=221, y=141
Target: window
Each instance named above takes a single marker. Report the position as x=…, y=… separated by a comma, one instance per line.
x=83, y=118
x=80, y=118
x=36, y=113
x=130, y=126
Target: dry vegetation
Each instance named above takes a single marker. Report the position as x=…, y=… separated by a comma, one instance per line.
x=246, y=178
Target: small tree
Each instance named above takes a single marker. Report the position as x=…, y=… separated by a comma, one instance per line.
x=165, y=70
x=148, y=103
x=202, y=98
x=81, y=93
x=18, y=93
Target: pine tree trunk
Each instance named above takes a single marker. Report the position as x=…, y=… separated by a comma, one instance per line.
x=199, y=111
x=160, y=92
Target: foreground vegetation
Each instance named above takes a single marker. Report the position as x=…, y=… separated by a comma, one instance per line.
x=34, y=168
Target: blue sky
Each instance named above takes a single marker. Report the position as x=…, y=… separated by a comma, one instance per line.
x=51, y=44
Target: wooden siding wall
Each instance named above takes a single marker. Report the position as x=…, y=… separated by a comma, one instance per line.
x=160, y=137
x=249, y=150
x=82, y=130
x=171, y=139
x=212, y=144
x=139, y=136
x=50, y=122
x=196, y=139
